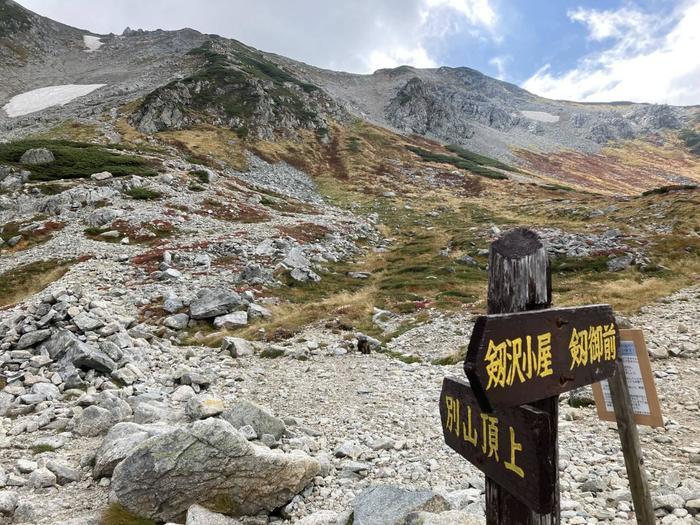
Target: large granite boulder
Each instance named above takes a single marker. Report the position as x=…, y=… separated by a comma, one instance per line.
x=119, y=442
x=391, y=505
x=211, y=464
x=37, y=156
x=213, y=302
x=244, y=413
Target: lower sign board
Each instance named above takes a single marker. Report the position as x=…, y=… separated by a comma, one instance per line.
x=515, y=359
x=514, y=447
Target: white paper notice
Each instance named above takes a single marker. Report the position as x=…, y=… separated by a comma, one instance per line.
x=635, y=384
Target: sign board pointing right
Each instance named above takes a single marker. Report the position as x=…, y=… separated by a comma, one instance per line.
x=519, y=358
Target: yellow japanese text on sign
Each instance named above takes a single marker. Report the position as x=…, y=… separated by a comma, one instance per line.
x=520, y=359
x=481, y=430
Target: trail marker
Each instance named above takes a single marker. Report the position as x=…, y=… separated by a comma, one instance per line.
x=520, y=358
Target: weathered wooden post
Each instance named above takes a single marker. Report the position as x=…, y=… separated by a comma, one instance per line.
x=520, y=280
x=522, y=355
x=631, y=448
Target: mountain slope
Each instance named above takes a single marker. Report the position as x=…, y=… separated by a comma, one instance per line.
x=170, y=81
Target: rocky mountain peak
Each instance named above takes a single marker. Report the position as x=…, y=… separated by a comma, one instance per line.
x=240, y=88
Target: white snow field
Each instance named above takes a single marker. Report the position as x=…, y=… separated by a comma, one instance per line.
x=45, y=97
x=540, y=116
x=92, y=43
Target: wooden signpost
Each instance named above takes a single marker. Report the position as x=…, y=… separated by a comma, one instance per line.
x=521, y=356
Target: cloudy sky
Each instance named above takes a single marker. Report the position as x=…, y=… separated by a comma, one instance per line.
x=587, y=50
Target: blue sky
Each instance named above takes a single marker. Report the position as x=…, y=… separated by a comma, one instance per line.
x=587, y=50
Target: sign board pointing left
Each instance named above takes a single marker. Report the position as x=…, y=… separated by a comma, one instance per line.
x=519, y=358
x=514, y=447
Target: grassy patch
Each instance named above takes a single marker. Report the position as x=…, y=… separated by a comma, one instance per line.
x=201, y=175
x=40, y=449
x=305, y=232
x=405, y=358
x=239, y=212
x=143, y=194
x=208, y=145
x=481, y=160
x=691, y=139
x=144, y=233
x=452, y=359
x=24, y=281
x=72, y=131
x=458, y=162
x=74, y=160
x=116, y=514
x=34, y=231
x=667, y=189
x=564, y=265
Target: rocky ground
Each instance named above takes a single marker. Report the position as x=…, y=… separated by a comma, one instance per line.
x=128, y=393
x=89, y=378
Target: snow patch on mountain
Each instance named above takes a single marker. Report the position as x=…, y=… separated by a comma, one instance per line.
x=45, y=97
x=92, y=43
x=540, y=116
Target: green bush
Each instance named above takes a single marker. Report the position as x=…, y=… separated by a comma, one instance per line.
x=691, y=138
x=479, y=159
x=116, y=514
x=459, y=162
x=74, y=160
x=201, y=175
x=143, y=194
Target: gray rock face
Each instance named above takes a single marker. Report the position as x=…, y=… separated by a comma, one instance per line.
x=304, y=275
x=246, y=413
x=119, y=442
x=64, y=473
x=209, y=463
x=390, y=505
x=41, y=478
x=198, y=515
x=84, y=356
x=232, y=320
x=60, y=342
x=102, y=216
x=617, y=264
x=32, y=338
x=213, y=302
x=37, y=156
x=8, y=502
x=201, y=407
x=94, y=421
x=177, y=321
x=237, y=346
x=296, y=259
x=450, y=517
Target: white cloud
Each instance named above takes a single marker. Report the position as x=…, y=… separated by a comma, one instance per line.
x=610, y=24
x=649, y=60
x=499, y=63
x=477, y=12
x=358, y=36
x=397, y=56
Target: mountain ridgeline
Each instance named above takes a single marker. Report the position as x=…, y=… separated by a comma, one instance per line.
x=176, y=80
